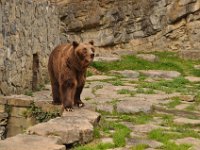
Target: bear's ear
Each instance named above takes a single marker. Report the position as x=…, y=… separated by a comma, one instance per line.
x=91, y=42
x=75, y=44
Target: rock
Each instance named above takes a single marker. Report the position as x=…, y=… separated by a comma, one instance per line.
x=134, y=107
x=193, y=79
x=187, y=98
x=144, y=128
x=150, y=143
x=69, y=129
x=91, y=116
x=182, y=106
x=99, y=77
x=183, y=121
x=148, y=57
x=19, y=100
x=124, y=52
x=192, y=54
x=197, y=66
x=190, y=141
x=107, y=140
x=105, y=107
x=127, y=73
x=31, y=142
x=160, y=73
x=107, y=59
x=87, y=94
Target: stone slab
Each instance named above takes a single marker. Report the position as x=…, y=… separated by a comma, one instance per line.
x=31, y=142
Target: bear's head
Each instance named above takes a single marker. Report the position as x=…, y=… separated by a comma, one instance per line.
x=85, y=53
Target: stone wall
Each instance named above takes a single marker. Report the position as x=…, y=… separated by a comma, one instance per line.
x=28, y=32
x=133, y=24
x=30, y=29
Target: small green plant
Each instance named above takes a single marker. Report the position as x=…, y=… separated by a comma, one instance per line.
x=174, y=102
x=145, y=91
x=29, y=93
x=87, y=98
x=140, y=147
x=120, y=134
x=40, y=87
x=117, y=83
x=126, y=91
x=39, y=114
x=89, y=73
x=96, y=132
x=140, y=118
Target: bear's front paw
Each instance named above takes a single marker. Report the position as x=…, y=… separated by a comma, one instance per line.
x=68, y=107
x=79, y=103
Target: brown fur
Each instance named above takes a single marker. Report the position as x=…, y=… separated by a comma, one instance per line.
x=67, y=69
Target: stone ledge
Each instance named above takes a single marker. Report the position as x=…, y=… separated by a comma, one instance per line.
x=31, y=142
x=72, y=127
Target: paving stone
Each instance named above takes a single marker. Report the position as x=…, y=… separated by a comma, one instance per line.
x=187, y=98
x=105, y=92
x=125, y=52
x=31, y=142
x=107, y=59
x=99, y=77
x=91, y=116
x=193, y=79
x=182, y=106
x=197, y=66
x=127, y=73
x=107, y=140
x=134, y=107
x=186, y=121
x=87, y=93
x=69, y=129
x=19, y=100
x=191, y=141
x=160, y=73
x=144, y=128
x=148, y=57
x=150, y=143
x=105, y=107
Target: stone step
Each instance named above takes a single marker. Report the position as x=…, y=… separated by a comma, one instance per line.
x=72, y=127
x=31, y=142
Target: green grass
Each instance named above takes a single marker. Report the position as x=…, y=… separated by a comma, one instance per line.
x=175, y=132
x=173, y=146
x=145, y=91
x=162, y=136
x=167, y=61
x=120, y=134
x=29, y=93
x=174, y=102
x=89, y=73
x=176, y=85
x=140, y=147
x=39, y=114
x=126, y=91
x=140, y=118
x=117, y=82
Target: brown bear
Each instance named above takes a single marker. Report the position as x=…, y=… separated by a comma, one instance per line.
x=67, y=69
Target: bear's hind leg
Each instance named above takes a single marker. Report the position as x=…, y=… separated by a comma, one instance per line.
x=78, y=101
x=55, y=92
